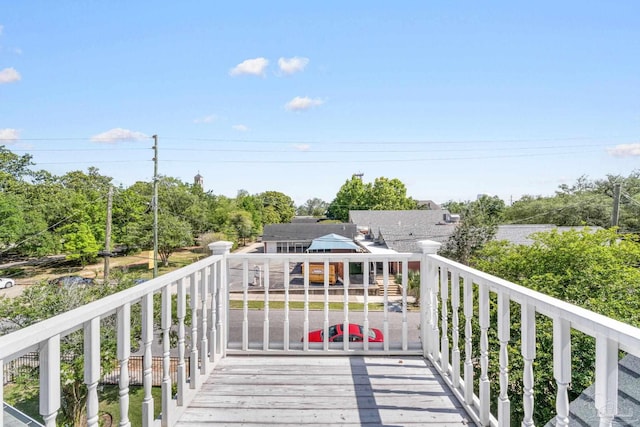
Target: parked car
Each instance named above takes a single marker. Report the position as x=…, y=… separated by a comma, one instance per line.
x=71, y=281
x=6, y=283
x=356, y=334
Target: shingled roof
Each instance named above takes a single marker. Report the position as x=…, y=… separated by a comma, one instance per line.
x=401, y=230
x=306, y=231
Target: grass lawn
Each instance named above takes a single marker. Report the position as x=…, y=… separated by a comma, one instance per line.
x=108, y=397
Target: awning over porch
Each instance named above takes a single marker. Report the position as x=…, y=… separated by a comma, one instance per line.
x=332, y=242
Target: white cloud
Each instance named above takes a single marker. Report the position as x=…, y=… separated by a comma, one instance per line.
x=255, y=67
x=9, y=135
x=9, y=75
x=300, y=103
x=302, y=147
x=292, y=65
x=625, y=150
x=206, y=119
x=119, y=135
x=241, y=128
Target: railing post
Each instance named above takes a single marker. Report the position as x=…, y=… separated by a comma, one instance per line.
x=427, y=274
x=222, y=248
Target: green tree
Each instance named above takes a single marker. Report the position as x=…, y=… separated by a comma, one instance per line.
x=79, y=243
x=242, y=224
x=281, y=204
x=478, y=225
x=594, y=269
x=383, y=194
x=173, y=233
x=313, y=207
x=389, y=194
x=42, y=301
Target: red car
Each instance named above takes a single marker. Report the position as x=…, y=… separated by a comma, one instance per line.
x=356, y=334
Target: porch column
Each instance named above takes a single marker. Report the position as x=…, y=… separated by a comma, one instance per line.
x=428, y=280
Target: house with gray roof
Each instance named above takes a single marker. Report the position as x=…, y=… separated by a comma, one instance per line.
x=297, y=237
x=401, y=230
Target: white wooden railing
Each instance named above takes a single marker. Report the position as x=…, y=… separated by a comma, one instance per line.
x=441, y=330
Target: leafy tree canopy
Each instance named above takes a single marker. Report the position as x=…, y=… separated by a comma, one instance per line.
x=383, y=194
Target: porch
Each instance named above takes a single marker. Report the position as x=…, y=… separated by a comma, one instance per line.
x=455, y=348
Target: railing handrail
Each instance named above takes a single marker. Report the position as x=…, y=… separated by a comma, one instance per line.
x=27, y=339
x=581, y=319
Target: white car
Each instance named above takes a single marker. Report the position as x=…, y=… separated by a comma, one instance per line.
x=6, y=283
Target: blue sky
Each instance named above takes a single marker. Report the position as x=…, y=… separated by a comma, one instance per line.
x=452, y=98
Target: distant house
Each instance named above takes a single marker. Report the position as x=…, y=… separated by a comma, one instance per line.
x=401, y=230
x=297, y=237
x=520, y=234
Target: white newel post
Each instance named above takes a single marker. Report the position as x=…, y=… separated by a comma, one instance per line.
x=606, y=397
x=221, y=248
x=427, y=284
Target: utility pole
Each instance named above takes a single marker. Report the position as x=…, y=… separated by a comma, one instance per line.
x=616, y=205
x=107, y=236
x=155, y=206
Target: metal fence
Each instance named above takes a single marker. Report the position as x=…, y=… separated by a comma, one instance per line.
x=30, y=361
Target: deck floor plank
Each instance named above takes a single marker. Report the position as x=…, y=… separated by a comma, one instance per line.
x=321, y=391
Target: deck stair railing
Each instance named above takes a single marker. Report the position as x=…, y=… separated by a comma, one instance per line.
x=454, y=304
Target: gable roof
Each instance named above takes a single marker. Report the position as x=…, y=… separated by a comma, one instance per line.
x=305, y=232
x=401, y=230
x=332, y=241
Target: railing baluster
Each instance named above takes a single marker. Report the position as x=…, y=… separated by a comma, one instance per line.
x=455, y=329
x=485, y=398
x=92, y=368
x=265, y=328
x=193, y=356
x=562, y=368
x=165, y=325
x=405, y=286
x=204, y=338
x=365, y=280
x=181, y=313
x=606, y=397
x=504, y=326
x=214, y=288
x=345, y=284
x=325, y=324
x=435, y=330
x=245, y=304
x=444, y=322
x=385, y=303
x=305, y=332
x=468, y=343
x=286, y=303
x=147, y=359
x=528, y=334
x=123, y=325
x=49, y=381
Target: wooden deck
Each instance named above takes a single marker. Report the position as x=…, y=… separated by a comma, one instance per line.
x=321, y=391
